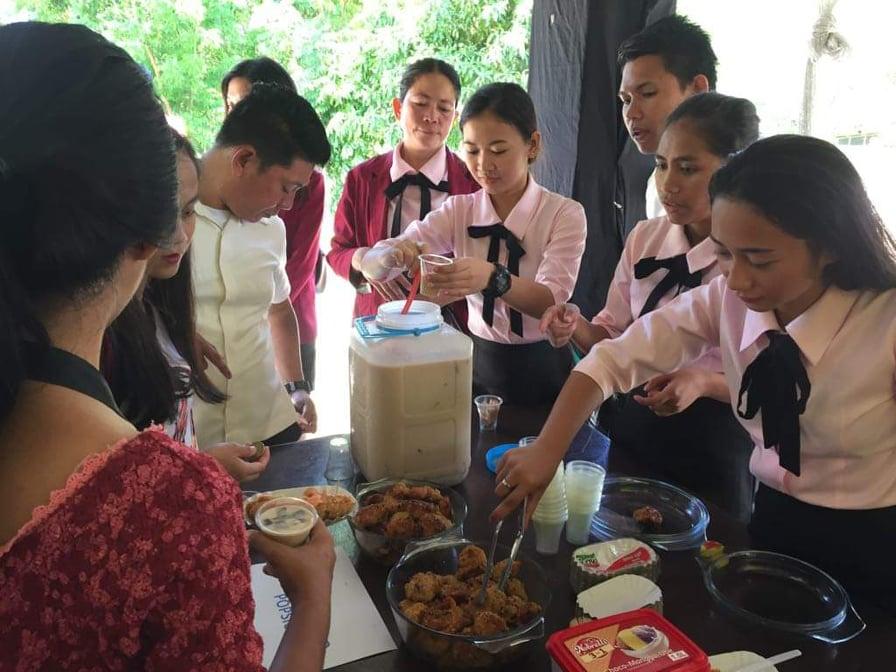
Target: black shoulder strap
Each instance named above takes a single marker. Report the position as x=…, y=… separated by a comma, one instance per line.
x=58, y=367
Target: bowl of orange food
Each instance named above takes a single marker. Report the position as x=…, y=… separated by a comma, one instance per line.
x=394, y=512
x=433, y=591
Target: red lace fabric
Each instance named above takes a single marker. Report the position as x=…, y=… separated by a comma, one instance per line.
x=139, y=563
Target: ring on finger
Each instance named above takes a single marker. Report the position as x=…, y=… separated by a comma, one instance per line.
x=506, y=484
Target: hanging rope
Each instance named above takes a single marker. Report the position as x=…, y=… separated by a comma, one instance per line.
x=826, y=41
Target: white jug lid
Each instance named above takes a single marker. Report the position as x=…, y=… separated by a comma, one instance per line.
x=422, y=315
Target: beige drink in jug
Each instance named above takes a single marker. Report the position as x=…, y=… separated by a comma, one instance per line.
x=410, y=406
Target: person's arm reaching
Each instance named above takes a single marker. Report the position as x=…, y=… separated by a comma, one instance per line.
x=665, y=340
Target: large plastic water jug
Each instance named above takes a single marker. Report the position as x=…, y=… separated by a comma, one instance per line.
x=411, y=386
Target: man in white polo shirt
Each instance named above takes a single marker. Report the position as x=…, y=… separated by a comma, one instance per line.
x=264, y=153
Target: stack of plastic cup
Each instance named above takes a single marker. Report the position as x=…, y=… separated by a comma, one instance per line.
x=550, y=515
x=584, y=487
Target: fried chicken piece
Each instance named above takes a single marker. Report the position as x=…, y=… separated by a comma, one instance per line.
x=498, y=569
x=495, y=599
x=423, y=587
x=374, y=498
x=413, y=610
x=443, y=615
x=399, y=491
x=648, y=518
x=511, y=610
x=372, y=516
x=528, y=612
x=487, y=624
x=392, y=504
x=417, y=507
x=424, y=493
x=329, y=506
x=469, y=610
x=471, y=561
x=451, y=586
x=432, y=524
x=445, y=509
x=515, y=588
x=402, y=526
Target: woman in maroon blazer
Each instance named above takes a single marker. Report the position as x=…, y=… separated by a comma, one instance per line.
x=383, y=195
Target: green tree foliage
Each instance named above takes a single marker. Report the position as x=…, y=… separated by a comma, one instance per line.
x=346, y=56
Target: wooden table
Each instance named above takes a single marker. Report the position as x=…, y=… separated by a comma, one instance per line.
x=686, y=602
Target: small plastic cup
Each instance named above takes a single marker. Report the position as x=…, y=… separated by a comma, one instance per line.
x=340, y=467
x=428, y=262
x=286, y=519
x=526, y=440
x=584, y=487
x=547, y=535
x=488, y=405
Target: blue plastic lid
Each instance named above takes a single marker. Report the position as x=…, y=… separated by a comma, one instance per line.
x=493, y=456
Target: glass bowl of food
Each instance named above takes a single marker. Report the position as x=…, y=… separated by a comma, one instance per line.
x=657, y=513
x=433, y=591
x=393, y=512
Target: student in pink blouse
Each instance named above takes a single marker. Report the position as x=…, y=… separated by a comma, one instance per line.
x=805, y=318
x=383, y=195
x=517, y=245
x=662, y=258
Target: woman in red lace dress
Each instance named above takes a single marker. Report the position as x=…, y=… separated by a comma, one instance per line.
x=119, y=550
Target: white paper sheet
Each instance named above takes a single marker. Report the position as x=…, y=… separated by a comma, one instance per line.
x=356, y=629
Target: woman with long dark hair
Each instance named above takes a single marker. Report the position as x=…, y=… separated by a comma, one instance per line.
x=119, y=548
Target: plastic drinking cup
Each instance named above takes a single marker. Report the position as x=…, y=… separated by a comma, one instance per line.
x=547, y=536
x=428, y=262
x=488, y=406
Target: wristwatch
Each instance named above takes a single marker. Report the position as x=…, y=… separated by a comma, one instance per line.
x=498, y=283
x=296, y=385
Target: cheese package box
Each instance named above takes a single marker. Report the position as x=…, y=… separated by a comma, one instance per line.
x=597, y=563
x=619, y=594
x=635, y=641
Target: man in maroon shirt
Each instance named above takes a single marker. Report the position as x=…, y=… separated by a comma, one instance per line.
x=303, y=220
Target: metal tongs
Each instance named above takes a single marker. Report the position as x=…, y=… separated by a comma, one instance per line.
x=514, y=550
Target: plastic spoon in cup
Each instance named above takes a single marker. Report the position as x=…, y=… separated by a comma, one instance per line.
x=415, y=285
x=768, y=663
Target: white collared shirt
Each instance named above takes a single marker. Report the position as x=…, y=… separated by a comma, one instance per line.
x=652, y=203
x=627, y=295
x=551, y=229
x=239, y=271
x=847, y=340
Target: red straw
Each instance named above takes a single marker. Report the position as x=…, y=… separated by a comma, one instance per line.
x=415, y=285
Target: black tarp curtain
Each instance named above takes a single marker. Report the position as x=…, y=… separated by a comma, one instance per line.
x=574, y=81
